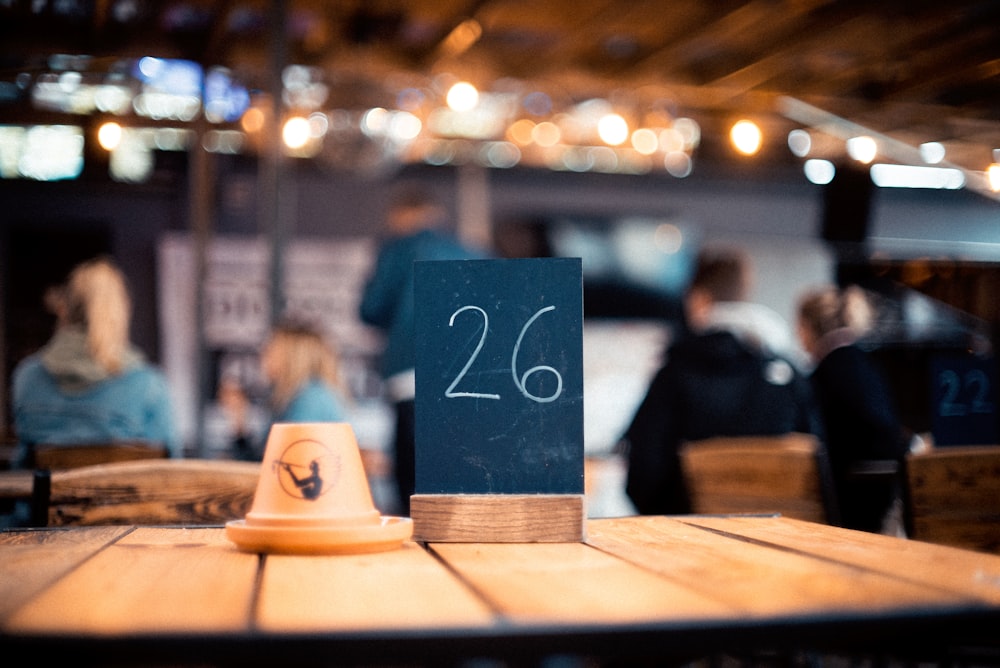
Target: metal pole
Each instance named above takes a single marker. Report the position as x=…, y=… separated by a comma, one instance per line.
x=474, y=225
x=273, y=221
x=201, y=191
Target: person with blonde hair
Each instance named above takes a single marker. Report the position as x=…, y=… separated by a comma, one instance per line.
x=89, y=383
x=301, y=368
x=855, y=402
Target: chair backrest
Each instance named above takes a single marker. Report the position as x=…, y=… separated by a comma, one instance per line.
x=953, y=497
x=147, y=492
x=785, y=474
x=56, y=457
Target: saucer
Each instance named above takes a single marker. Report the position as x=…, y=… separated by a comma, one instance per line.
x=388, y=534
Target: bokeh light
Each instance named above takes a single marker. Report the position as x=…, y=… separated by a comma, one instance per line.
x=668, y=238
x=537, y=104
x=109, y=135
x=253, y=120
x=374, y=122
x=863, y=149
x=932, y=152
x=645, y=141
x=520, y=132
x=820, y=172
x=678, y=164
x=689, y=131
x=404, y=126
x=799, y=143
x=916, y=176
x=612, y=129
x=993, y=176
x=296, y=132
x=51, y=153
x=462, y=96
x=546, y=134
x=746, y=137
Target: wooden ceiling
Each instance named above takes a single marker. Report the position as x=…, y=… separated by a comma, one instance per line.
x=905, y=71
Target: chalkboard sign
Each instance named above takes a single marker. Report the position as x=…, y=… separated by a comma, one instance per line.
x=964, y=400
x=499, y=376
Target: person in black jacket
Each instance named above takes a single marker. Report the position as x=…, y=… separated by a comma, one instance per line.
x=725, y=377
x=855, y=402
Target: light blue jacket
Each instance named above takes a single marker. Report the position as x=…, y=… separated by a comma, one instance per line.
x=61, y=396
x=314, y=402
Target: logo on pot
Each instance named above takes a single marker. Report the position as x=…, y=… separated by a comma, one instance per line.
x=307, y=469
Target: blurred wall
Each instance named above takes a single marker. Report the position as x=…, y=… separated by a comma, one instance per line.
x=775, y=215
x=778, y=216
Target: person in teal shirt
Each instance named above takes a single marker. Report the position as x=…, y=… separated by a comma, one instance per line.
x=416, y=226
x=302, y=370
x=89, y=384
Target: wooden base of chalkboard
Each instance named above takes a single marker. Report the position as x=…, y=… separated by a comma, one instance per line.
x=498, y=518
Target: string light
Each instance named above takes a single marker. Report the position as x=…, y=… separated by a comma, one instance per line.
x=932, y=152
x=462, y=96
x=109, y=135
x=612, y=129
x=296, y=132
x=645, y=141
x=993, y=176
x=746, y=137
x=863, y=149
x=799, y=142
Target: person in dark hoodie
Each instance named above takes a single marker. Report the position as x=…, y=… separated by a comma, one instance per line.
x=89, y=384
x=725, y=376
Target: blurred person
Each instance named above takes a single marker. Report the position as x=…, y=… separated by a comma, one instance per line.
x=234, y=423
x=721, y=377
x=89, y=384
x=302, y=370
x=857, y=408
x=415, y=226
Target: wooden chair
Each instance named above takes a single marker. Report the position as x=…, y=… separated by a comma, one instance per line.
x=56, y=457
x=785, y=474
x=148, y=492
x=953, y=497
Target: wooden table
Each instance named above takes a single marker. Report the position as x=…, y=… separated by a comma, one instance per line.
x=670, y=588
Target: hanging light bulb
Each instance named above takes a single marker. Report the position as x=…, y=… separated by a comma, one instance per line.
x=746, y=137
x=612, y=129
x=993, y=176
x=462, y=96
x=295, y=132
x=109, y=135
x=863, y=149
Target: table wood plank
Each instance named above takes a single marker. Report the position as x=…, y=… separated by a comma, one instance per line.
x=404, y=588
x=974, y=575
x=34, y=559
x=572, y=583
x=154, y=580
x=758, y=580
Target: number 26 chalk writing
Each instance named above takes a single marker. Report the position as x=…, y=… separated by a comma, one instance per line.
x=519, y=382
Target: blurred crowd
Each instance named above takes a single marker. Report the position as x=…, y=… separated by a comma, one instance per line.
x=733, y=367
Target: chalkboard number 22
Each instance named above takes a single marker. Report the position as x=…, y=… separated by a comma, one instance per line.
x=952, y=406
x=519, y=382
